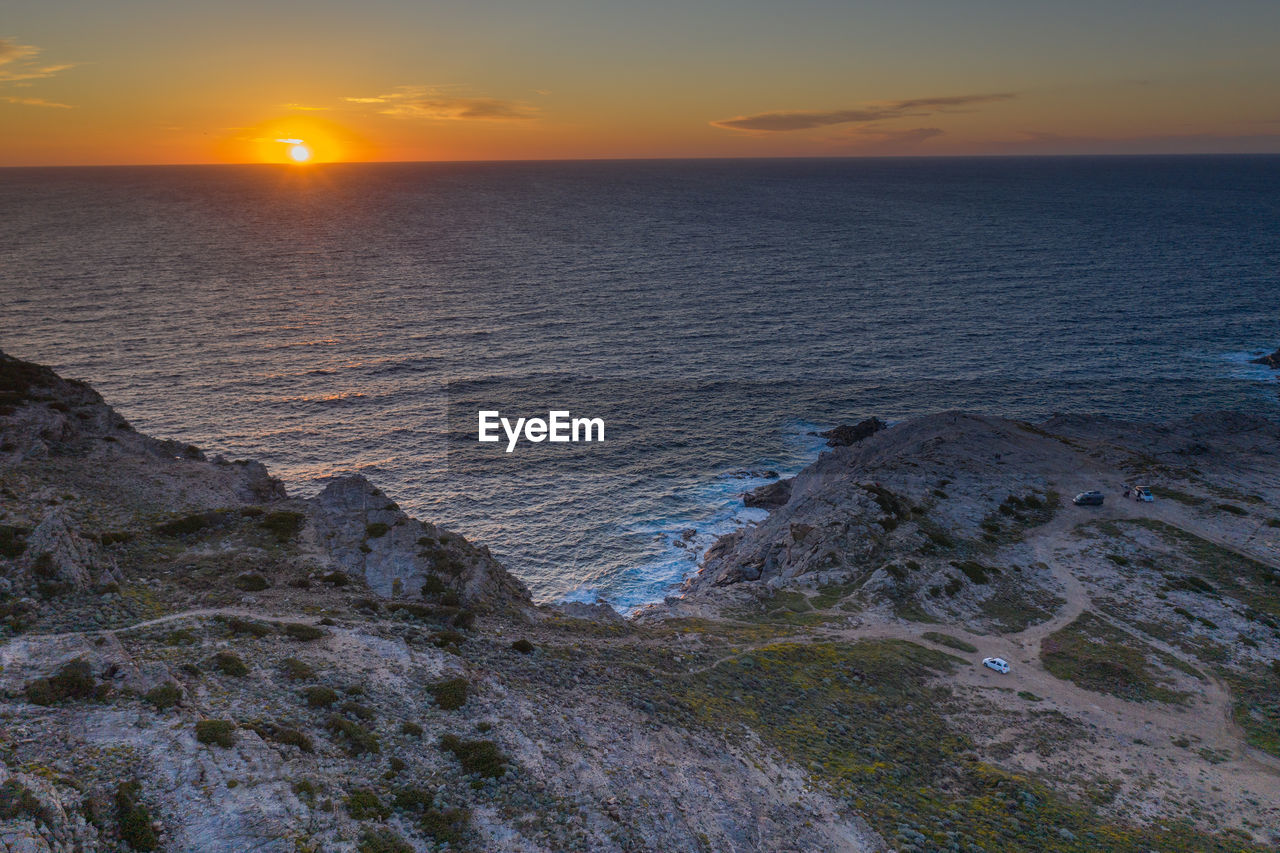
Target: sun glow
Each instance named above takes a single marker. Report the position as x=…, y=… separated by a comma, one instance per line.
x=300, y=153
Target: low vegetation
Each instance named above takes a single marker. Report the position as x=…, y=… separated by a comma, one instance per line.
x=216, y=732
x=1097, y=656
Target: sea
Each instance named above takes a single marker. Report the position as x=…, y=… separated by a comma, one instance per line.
x=715, y=314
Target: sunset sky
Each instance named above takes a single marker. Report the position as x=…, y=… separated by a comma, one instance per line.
x=143, y=81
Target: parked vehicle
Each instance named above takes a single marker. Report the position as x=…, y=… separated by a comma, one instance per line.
x=1089, y=499
x=1000, y=665
x=1140, y=493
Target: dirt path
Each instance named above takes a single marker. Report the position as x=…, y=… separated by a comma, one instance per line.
x=163, y=620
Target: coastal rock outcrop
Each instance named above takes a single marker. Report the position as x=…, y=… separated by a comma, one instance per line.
x=847, y=434
x=1272, y=361
x=367, y=534
x=769, y=496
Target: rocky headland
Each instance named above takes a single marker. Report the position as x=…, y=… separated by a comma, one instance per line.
x=193, y=660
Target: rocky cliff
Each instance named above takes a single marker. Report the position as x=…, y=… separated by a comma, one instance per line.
x=192, y=660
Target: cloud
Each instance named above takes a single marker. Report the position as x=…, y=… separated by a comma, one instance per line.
x=789, y=120
x=35, y=102
x=306, y=108
x=18, y=70
x=427, y=103
x=11, y=51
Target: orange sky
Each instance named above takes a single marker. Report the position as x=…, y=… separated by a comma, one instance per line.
x=148, y=82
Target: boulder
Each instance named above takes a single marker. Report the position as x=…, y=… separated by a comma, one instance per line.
x=769, y=496
x=847, y=434
x=1272, y=361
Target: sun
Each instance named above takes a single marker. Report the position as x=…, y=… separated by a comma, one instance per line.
x=300, y=153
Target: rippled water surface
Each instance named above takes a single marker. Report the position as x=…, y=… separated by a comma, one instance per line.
x=339, y=318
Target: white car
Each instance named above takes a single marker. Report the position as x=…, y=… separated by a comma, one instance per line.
x=1000, y=665
x=1139, y=493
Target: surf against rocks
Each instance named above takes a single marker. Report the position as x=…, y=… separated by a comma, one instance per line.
x=557, y=427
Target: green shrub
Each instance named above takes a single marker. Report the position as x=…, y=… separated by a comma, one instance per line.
x=383, y=840
x=450, y=598
x=445, y=826
x=450, y=694
x=464, y=619
x=12, y=540
x=186, y=525
x=291, y=737
x=247, y=627
x=975, y=571
x=376, y=530
x=415, y=730
x=181, y=637
x=357, y=739
x=164, y=696
x=418, y=611
x=336, y=578
x=303, y=632
x=355, y=709
x=432, y=586
x=297, y=670
x=523, y=646
x=17, y=801
x=363, y=804
x=219, y=732
x=481, y=757
x=134, y=819
x=229, y=663
x=74, y=681
x=440, y=639
x=283, y=524
x=320, y=697
x=251, y=582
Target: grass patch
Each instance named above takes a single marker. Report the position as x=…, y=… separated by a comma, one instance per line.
x=868, y=721
x=363, y=804
x=1257, y=705
x=216, y=732
x=302, y=631
x=297, y=670
x=229, y=663
x=73, y=681
x=480, y=757
x=163, y=697
x=1177, y=496
x=949, y=641
x=354, y=737
x=1252, y=582
x=450, y=694
x=134, y=818
x=283, y=524
x=1095, y=655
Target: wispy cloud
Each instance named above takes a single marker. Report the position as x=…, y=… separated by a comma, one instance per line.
x=18, y=68
x=424, y=102
x=303, y=108
x=788, y=120
x=35, y=102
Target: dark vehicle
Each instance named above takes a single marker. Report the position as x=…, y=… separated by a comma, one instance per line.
x=1089, y=499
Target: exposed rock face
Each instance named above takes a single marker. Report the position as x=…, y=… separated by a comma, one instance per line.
x=366, y=534
x=1272, y=360
x=847, y=434
x=58, y=553
x=769, y=496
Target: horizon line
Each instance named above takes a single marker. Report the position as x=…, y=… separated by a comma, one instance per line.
x=780, y=158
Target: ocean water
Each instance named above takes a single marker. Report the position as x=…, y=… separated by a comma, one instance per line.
x=346, y=318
